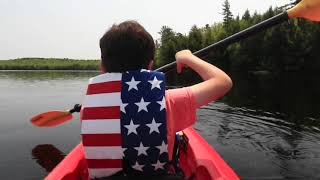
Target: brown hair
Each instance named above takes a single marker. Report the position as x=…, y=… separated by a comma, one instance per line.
x=127, y=46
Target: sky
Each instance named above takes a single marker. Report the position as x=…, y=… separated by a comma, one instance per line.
x=72, y=28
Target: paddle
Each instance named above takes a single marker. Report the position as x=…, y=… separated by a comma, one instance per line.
x=307, y=9
x=54, y=118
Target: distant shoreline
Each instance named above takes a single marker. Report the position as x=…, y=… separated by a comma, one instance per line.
x=44, y=70
x=45, y=64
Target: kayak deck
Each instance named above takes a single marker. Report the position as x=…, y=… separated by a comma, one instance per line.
x=199, y=161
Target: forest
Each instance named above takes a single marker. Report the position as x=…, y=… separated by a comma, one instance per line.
x=290, y=46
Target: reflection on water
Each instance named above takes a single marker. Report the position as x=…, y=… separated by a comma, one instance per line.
x=260, y=146
x=47, y=156
x=267, y=127
x=293, y=97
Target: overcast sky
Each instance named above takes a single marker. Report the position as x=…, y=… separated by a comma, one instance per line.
x=72, y=28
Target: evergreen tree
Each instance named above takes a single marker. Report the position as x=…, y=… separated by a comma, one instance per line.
x=207, y=38
x=167, y=48
x=246, y=16
x=226, y=12
x=195, y=39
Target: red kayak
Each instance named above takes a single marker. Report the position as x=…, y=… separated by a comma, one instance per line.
x=197, y=160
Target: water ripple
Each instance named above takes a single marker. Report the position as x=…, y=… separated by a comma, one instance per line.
x=284, y=145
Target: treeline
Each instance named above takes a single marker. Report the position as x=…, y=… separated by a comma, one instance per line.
x=48, y=64
x=291, y=46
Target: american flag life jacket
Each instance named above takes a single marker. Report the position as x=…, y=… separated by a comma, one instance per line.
x=123, y=123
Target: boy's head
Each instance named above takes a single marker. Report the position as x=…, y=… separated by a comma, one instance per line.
x=127, y=46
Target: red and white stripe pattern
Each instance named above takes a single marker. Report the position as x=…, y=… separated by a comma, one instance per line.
x=101, y=129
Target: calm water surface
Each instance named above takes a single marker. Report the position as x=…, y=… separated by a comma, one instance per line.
x=266, y=128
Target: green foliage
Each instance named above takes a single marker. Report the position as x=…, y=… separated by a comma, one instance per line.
x=195, y=39
x=290, y=46
x=226, y=12
x=48, y=64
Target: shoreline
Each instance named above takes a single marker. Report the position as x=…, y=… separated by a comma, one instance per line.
x=48, y=70
x=38, y=64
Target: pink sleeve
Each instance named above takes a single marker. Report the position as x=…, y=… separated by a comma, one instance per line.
x=181, y=106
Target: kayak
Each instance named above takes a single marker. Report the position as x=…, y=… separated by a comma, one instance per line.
x=197, y=161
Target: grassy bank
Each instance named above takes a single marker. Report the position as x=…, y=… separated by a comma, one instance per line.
x=48, y=64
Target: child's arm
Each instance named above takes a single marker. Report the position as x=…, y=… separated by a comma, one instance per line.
x=216, y=83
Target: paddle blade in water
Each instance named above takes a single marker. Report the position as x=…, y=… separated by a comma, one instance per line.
x=51, y=118
x=308, y=9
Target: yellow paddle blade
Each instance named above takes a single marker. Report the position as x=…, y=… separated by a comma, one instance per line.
x=51, y=118
x=308, y=9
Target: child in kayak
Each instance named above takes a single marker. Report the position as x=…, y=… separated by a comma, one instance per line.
x=147, y=111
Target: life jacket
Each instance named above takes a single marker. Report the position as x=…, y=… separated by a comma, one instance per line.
x=123, y=123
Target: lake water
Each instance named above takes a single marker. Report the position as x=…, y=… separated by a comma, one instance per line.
x=267, y=127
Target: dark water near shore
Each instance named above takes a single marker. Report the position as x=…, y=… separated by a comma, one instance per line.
x=267, y=127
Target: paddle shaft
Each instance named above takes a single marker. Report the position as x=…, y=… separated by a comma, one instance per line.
x=234, y=38
x=76, y=108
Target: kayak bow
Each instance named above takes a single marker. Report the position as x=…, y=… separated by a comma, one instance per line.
x=198, y=161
